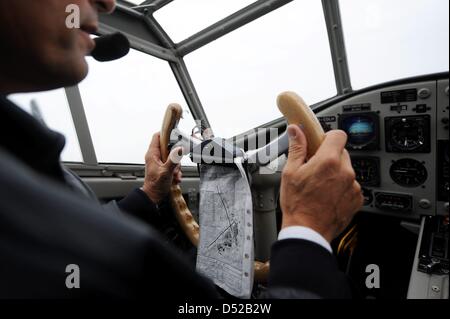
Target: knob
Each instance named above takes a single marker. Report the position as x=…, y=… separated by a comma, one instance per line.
x=424, y=93
x=424, y=203
x=444, y=120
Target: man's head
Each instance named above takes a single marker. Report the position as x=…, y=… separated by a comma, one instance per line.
x=39, y=51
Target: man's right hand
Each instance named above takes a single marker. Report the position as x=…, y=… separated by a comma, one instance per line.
x=321, y=194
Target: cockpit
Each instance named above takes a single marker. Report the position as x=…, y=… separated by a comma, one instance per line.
x=377, y=70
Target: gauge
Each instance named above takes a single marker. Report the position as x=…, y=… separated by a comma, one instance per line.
x=408, y=173
x=408, y=134
x=362, y=130
x=367, y=170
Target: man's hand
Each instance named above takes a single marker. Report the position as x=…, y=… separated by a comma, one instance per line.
x=321, y=194
x=159, y=176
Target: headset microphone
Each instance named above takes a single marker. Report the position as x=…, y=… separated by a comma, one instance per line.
x=110, y=47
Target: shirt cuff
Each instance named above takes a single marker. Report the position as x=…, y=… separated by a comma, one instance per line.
x=305, y=233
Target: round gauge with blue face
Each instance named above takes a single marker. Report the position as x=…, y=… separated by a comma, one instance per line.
x=360, y=129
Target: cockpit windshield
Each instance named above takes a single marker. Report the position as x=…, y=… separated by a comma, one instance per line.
x=228, y=72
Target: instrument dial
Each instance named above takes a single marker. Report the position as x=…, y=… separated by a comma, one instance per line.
x=362, y=130
x=408, y=135
x=408, y=173
x=367, y=170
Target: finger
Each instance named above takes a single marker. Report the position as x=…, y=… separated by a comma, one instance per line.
x=177, y=170
x=346, y=163
x=355, y=199
x=333, y=144
x=359, y=196
x=346, y=160
x=357, y=188
x=178, y=178
x=174, y=159
x=298, y=146
x=157, y=160
x=155, y=147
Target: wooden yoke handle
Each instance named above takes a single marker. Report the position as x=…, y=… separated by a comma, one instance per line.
x=296, y=111
x=171, y=118
x=182, y=212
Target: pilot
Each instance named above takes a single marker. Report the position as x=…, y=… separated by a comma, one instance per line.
x=49, y=223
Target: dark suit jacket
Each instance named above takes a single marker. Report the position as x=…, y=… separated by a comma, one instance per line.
x=45, y=225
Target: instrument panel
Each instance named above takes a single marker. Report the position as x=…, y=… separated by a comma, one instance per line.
x=398, y=141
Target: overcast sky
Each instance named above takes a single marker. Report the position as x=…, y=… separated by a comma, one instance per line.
x=239, y=76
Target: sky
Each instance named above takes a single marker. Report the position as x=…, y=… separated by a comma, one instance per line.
x=239, y=76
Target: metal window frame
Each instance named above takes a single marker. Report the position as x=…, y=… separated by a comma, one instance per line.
x=234, y=21
x=152, y=5
x=81, y=126
x=156, y=42
x=337, y=46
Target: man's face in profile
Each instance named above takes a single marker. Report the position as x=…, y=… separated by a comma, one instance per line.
x=39, y=50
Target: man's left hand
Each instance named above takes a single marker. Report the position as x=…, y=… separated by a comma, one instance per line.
x=159, y=176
